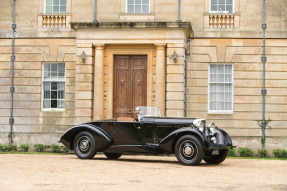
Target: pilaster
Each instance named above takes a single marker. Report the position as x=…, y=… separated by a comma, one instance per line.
x=160, y=78
x=98, y=106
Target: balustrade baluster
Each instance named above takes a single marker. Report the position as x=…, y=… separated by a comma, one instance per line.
x=59, y=21
x=49, y=21
x=223, y=25
x=64, y=22
x=232, y=21
x=215, y=21
x=210, y=21
x=55, y=21
x=219, y=21
x=43, y=21
x=228, y=21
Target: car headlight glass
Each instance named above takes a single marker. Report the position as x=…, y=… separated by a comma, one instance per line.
x=201, y=126
x=211, y=126
x=213, y=139
x=199, y=123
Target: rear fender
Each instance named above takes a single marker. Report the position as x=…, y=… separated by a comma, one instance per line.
x=169, y=141
x=103, y=139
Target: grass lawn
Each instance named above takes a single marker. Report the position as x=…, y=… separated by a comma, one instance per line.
x=257, y=158
x=32, y=153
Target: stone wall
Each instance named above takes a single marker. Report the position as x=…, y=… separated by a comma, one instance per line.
x=245, y=56
x=31, y=124
x=240, y=45
x=247, y=17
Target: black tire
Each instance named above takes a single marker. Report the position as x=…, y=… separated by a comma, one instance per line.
x=113, y=155
x=217, y=159
x=85, y=145
x=189, y=150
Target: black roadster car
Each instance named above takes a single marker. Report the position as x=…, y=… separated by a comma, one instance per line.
x=149, y=133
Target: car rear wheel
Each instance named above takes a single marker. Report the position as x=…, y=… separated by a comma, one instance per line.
x=217, y=159
x=188, y=150
x=113, y=155
x=85, y=145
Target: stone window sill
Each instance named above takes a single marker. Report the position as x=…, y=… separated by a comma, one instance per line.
x=53, y=110
x=220, y=112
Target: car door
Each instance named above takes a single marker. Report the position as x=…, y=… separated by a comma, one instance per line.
x=130, y=137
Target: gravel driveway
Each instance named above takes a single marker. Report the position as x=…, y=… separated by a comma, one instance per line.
x=152, y=173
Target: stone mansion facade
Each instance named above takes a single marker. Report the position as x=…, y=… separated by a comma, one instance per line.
x=77, y=61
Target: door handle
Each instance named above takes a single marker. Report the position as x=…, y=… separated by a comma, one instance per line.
x=130, y=111
x=138, y=128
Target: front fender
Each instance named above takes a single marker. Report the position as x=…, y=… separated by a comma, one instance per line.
x=169, y=141
x=222, y=138
x=103, y=139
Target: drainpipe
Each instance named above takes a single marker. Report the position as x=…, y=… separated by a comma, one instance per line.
x=95, y=12
x=12, y=88
x=263, y=91
x=187, y=54
x=178, y=11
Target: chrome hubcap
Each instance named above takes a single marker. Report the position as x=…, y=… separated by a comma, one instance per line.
x=188, y=150
x=84, y=144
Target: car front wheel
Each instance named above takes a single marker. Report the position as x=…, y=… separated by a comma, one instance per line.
x=189, y=150
x=85, y=145
x=217, y=159
x=113, y=155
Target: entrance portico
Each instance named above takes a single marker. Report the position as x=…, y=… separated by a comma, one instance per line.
x=102, y=42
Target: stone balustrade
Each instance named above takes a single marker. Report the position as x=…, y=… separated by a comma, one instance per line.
x=54, y=21
x=218, y=21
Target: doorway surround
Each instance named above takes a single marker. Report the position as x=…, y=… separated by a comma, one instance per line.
x=156, y=40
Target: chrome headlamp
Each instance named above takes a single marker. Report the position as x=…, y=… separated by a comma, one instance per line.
x=199, y=123
x=211, y=127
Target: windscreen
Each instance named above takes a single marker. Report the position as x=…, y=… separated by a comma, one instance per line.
x=147, y=111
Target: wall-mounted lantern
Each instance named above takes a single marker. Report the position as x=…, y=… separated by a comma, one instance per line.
x=174, y=57
x=83, y=56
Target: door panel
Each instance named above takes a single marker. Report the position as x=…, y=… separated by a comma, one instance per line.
x=129, y=84
x=121, y=83
x=139, y=88
x=122, y=90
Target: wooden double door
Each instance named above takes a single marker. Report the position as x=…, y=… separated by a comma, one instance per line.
x=130, y=84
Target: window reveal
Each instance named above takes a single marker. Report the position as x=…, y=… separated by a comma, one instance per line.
x=54, y=86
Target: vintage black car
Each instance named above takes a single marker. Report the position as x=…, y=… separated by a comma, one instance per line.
x=149, y=133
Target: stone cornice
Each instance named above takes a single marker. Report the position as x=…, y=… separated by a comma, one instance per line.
x=138, y=25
